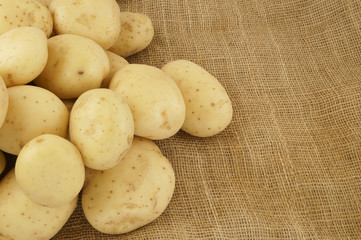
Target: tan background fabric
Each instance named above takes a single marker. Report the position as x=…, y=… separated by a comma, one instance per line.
x=289, y=164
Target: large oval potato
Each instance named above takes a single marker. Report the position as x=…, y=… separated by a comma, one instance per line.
x=20, y=13
x=75, y=64
x=101, y=126
x=22, y=219
x=155, y=101
x=209, y=109
x=135, y=34
x=23, y=55
x=116, y=63
x=97, y=20
x=32, y=111
x=2, y=162
x=133, y=193
x=4, y=101
x=50, y=170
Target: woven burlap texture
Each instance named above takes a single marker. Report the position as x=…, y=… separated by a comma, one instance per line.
x=289, y=164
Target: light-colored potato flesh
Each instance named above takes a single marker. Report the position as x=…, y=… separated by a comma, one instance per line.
x=20, y=13
x=23, y=55
x=135, y=34
x=101, y=126
x=155, y=101
x=22, y=219
x=208, y=106
x=4, y=101
x=75, y=64
x=32, y=111
x=116, y=63
x=94, y=19
x=50, y=170
x=133, y=193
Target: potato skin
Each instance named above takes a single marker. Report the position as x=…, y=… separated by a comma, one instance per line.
x=94, y=19
x=101, y=126
x=133, y=193
x=136, y=34
x=155, y=100
x=23, y=55
x=32, y=111
x=4, y=101
x=19, y=13
x=2, y=162
x=22, y=219
x=208, y=106
x=75, y=64
x=50, y=170
x=116, y=63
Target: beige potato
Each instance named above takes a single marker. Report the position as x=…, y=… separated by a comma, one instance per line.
x=2, y=162
x=22, y=219
x=75, y=64
x=101, y=126
x=20, y=13
x=133, y=193
x=116, y=63
x=155, y=101
x=4, y=101
x=50, y=170
x=136, y=34
x=94, y=19
x=32, y=111
x=46, y=3
x=23, y=55
x=208, y=106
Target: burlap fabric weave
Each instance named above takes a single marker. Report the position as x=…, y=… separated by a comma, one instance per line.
x=289, y=164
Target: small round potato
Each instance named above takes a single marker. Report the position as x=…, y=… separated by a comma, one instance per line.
x=32, y=111
x=101, y=126
x=209, y=109
x=135, y=34
x=75, y=65
x=4, y=101
x=94, y=19
x=133, y=193
x=21, y=218
x=50, y=170
x=20, y=13
x=23, y=55
x=155, y=101
x=116, y=62
x=2, y=162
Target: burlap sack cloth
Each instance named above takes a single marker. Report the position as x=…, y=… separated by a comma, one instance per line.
x=289, y=164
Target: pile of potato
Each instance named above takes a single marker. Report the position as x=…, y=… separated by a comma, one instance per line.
x=81, y=119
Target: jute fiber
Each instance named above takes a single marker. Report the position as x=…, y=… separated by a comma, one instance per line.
x=289, y=164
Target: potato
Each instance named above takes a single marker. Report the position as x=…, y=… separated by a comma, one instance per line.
x=208, y=106
x=22, y=219
x=155, y=101
x=97, y=20
x=133, y=193
x=20, y=13
x=136, y=34
x=23, y=55
x=116, y=62
x=50, y=170
x=75, y=65
x=2, y=162
x=101, y=126
x=32, y=111
x=4, y=101
x=46, y=3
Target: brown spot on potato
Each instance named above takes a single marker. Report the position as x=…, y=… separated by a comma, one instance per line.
x=80, y=72
x=39, y=140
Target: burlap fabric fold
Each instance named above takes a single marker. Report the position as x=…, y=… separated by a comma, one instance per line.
x=289, y=164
